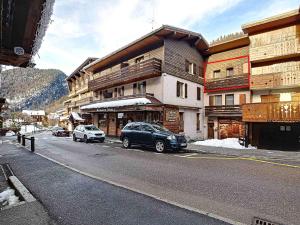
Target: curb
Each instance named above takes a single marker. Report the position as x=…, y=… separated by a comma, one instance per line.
x=21, y=189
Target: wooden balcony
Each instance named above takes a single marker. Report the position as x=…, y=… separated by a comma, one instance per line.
x=236, y=81
x=140, y=71
x=272, y=112
x=274, y=81
x=84, y=101
x=223, y=110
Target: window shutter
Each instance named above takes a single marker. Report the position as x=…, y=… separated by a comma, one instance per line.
x=186, y=90
x=198, y=93
x=134, y=88
x=187, y=66
x=178, y=89
x=194, y=69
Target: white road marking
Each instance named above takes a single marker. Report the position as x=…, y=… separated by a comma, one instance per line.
x=189, y=155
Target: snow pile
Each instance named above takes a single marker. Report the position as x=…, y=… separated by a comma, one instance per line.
x=8, y=197
x=28, y=129
x=118, y=103
x=76, y=116
x=225, y=143
x=10, y=133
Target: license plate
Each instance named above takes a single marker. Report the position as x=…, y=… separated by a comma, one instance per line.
x=183, y=144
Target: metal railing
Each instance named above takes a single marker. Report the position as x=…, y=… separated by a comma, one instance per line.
x=22, y=140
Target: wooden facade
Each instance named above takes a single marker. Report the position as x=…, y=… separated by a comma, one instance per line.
x=272, y=112
x=141, y=71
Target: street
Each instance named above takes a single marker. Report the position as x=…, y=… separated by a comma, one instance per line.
x=234, y=189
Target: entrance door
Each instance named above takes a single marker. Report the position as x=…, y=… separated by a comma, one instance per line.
x=210, y=132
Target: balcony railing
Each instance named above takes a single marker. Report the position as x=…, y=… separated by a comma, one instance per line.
x=84, y=101
x=140, y=71
x=223, y=110
x=272, y=112
x=274, y=80
x=227, y=82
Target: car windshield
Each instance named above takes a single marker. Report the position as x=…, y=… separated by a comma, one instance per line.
x=91, y=128
x=159, y=128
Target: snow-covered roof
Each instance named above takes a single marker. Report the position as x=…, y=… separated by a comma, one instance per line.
x=34, y=112
x=63, y=118
x=118, y=103
x=76, y=116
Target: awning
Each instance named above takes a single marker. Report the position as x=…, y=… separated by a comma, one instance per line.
x=75, y=116
x=118, y=103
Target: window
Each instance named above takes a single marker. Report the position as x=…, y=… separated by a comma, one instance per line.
x=142, y=87
x=198, y=121
x=121, y=91
x=190, y=67
x=229, y=72
x=229, y=99
x=146, y=128
x=107, y=94
x=115, y=92
x=134, y=87
x=217, y=74
x=198, y=93
x=139, y=59
x=218, y=100
x=179, y=89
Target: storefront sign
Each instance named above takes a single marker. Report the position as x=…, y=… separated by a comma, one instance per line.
x=171, y=115
x=120, y=115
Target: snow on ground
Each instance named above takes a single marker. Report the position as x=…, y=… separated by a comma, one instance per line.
x=28, y=129
x=8, y=197
x=225, y=143
x=10, y=133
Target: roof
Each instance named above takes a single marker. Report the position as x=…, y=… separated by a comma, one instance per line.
x=270, y=23
x=229, y=44
x=24, y=24
x=75, y=116
x=34, y=112
x=154, y=37
x=77, y=71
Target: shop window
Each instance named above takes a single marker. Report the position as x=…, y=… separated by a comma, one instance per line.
x=229, y=72
x=229, y=99
x=198, y=121
x=181, y=122
x=198, y=93
x=217, y=74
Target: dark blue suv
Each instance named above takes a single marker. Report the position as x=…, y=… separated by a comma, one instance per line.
x=152, y=135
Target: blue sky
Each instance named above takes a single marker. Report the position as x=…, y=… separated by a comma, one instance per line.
x=93, y=28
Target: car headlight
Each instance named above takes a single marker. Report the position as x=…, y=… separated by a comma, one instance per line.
x=171, y=137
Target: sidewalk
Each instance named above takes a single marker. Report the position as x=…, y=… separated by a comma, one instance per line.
x=257, y=153
x=24, y=212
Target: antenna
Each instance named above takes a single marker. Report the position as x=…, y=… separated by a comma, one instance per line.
x=153, y=16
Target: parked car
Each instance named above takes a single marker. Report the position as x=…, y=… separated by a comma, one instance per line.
x=153, y=135
x=60, y=132
x=88, y=133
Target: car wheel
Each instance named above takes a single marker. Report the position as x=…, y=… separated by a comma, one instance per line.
x=85, y=139
x=74, y=138
x=160, y=146
x=126, y=142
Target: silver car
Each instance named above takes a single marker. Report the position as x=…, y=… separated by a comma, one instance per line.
x=88, y=133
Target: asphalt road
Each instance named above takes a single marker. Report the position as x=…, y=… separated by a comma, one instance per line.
x=235, y=189
x=74, y=199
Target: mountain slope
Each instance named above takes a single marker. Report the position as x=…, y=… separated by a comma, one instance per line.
x=30, y=88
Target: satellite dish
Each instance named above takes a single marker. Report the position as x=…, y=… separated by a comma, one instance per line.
x=19, y=50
